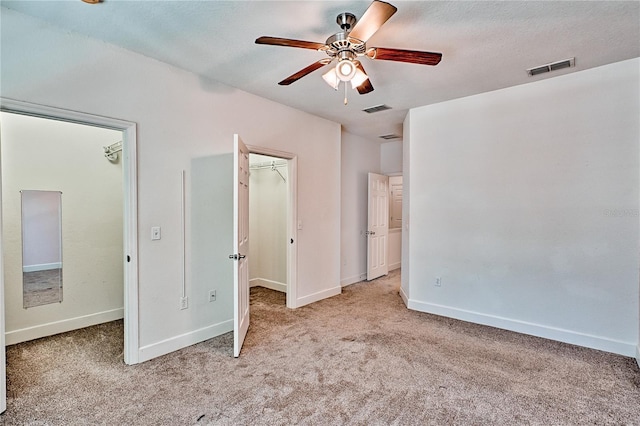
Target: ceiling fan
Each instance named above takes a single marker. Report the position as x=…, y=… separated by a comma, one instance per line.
x=349, y=44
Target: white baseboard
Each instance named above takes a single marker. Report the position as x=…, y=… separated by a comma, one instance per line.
x=638, y=354
x=273, y=285
x=318, y=296
x=173, y=344
x=552, y=333
x=42, y=267
x=49, y=329
x=404, y=297
x=393, y=266
x=352, y=280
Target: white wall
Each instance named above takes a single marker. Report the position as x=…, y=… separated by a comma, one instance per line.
x=268, y=232
x=359, y=157
x=40, y=154
x=180, y=118
x=525, y=202
x=391, y=158
x=211, y=227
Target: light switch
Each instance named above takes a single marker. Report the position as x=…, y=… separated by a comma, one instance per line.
x=155, y=232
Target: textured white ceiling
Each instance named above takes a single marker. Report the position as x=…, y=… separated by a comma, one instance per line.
x=486, y=45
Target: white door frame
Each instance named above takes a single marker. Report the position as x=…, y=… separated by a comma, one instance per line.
x=130, y=194
x=292, y=218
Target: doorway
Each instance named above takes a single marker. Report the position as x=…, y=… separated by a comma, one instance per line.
x=268, y=222
x=128, y=215
x=395, y=222
x=273, y=221
x=62, y=209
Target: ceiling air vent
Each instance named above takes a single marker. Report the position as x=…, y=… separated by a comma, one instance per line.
x=389, y=136
x=554, y=66
x=376, y=108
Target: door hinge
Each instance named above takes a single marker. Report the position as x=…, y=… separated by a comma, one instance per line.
x=237, y=256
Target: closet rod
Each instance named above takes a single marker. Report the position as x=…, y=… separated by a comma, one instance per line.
x=258, y=166
x=272, y=165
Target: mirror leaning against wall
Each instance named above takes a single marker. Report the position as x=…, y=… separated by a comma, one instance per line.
x=41, y=247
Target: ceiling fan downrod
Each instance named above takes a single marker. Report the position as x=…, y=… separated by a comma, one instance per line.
x=346, y=21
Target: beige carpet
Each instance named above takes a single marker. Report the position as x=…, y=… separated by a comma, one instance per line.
x=360, y=358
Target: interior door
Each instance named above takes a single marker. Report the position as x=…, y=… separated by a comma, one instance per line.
x=240, y=244
x=378, y=226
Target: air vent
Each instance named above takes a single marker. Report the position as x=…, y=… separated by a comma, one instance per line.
x=567, y=63
x=389, y=137
x=376, y=108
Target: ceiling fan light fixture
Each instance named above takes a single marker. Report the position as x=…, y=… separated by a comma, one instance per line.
x=331, y=78
x=359, y=78
x=346, y=70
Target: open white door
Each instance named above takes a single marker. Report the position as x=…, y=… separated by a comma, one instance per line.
x=378, y=226
x=240, y=244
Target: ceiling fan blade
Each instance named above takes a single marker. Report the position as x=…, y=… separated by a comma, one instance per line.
x=366, y=86
x=288, y=42
x=308, y=70
x=376, y=14
x=400, y=55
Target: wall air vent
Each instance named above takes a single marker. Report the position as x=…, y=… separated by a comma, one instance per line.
x=389, y=136
x=554, y=66
x=376, y=108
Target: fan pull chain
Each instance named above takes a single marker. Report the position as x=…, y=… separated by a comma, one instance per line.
x=345, y=93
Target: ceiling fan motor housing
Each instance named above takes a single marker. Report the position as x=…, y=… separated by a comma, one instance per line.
x=340, y=45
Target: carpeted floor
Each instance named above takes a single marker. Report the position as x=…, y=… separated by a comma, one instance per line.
x=360, y=358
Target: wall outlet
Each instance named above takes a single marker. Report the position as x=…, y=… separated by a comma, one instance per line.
x=438, y=282
x=212, y=296
x=184, y=302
